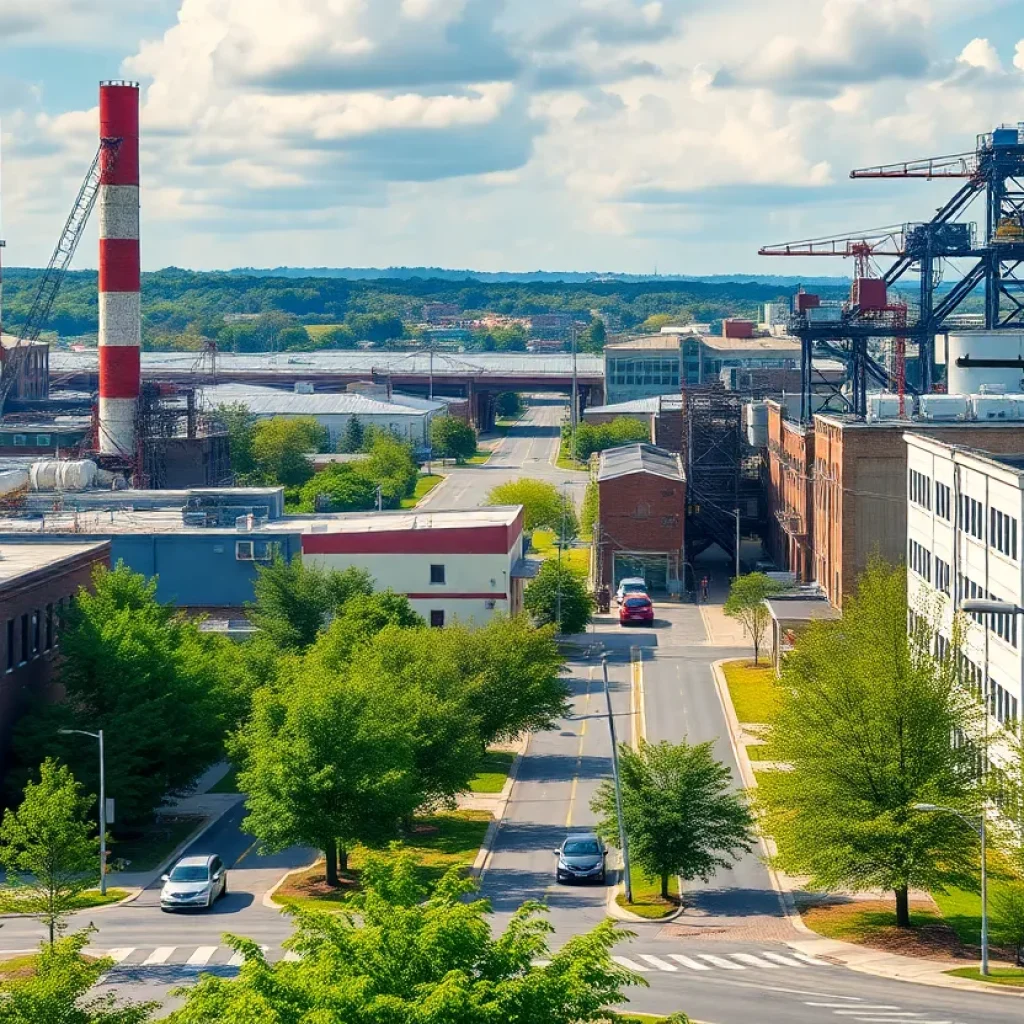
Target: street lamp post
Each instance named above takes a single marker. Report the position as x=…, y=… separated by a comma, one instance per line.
x=103, y=804
x=978, y=827
x=623, y=841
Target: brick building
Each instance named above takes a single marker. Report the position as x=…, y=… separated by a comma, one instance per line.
x=37, y=581
x=860, y=488
x=790, y=492
x=642, y=513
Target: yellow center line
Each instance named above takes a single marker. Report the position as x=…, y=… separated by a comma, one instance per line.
x=579, y=752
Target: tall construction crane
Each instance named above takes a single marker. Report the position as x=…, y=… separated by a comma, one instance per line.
x=995, y=169
x=53, y=276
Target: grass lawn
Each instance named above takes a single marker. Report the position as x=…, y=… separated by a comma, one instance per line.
x=995, y=976
x=424, y=485
x=84, y=901
x=18, y=967
x=576, y=558
x=493, y=772
x=442, y=841
x=564, y=462
x=647, y=901
x=229, y=784
x=762, y=752
x=962, y=910
x=753, y=690
x=149, y=848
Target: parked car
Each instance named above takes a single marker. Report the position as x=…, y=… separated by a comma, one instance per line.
x=630, y=585
x=194, y=882
x=637, y=609
x=581, y=858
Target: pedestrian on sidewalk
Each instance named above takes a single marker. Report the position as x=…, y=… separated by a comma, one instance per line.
x=704, y=589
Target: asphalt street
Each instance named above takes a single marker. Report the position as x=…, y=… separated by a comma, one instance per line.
x=725, y=960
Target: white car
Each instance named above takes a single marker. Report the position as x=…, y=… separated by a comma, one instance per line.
x=630, y=585
x=194, y=882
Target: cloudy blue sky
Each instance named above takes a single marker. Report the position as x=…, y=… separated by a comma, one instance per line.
x=620, y=135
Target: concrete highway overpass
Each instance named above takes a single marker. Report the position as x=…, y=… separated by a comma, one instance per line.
x=477, y=377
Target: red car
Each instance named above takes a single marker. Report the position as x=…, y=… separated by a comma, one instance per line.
x=636, y=609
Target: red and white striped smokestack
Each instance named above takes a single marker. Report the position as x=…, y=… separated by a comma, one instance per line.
x=120, y=314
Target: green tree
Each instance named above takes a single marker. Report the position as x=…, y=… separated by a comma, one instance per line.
x=295, y=600
x=57, y=992
x=591, y=510
x=559, y=586
x=164, y=692
x=594, y=337
x=590, y=438
x=1008, y=914
x=280, y=446
x=295, y=337
x=241, y=427
x=399, y=953
x=352, y=436
x=509, y=404
x=451, y=438
x=509, y=339
x=328, y=761
x=867, y=719
x=544, y=505
x=340, y=337
x=340, y=487
x=746, y=604
x=680, y=812
x=391, y=465
x=48, y=848
x=654, y=323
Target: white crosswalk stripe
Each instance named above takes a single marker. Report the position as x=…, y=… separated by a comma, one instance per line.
x=201, y=957
x=630, y=965
x=755, y=961
x=291, y=956
x=160, y=955
x=694, y=965
x=812, y=960
x=239, y=958
x=786, y=961
x=717, y=961
x=120, y=954
x=656, y=961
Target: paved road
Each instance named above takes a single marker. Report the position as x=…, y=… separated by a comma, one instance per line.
x=529, y=449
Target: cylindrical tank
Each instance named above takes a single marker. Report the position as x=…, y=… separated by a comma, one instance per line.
x=969, y=347
x=119, y=266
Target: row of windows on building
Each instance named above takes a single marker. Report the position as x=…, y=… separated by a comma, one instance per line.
x=1002, y=528
x=32, y=634
x=27, y=440
x=1004, y=626
x=1002, y=705
x=645, y=371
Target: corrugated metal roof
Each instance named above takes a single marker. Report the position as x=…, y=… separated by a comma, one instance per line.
x=272, y=402
x=639, y=458
x=636, y=405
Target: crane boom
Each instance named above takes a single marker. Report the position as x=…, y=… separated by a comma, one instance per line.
x=60, y=260
x=888, y=241
x=956, y=165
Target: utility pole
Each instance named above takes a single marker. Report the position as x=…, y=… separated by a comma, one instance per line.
x=561, y=539
x=575, y=391
x=380, y=500
x=103, y=803
x=623, y=841
x=736, y=513
x=430, y=394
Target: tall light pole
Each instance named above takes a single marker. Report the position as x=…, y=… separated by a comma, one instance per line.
x=979, y=828
x=561, y=541
x=736, y=513
x=623, y=841
x=103, y=805
x=575, y=391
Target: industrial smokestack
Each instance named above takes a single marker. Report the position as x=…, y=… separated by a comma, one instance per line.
x=120, y=314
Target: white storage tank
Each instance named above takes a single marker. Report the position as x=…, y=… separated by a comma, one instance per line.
x=883, y=406
x=970, y=346
x=944, y=407
x=755, y=417
x=994, y=407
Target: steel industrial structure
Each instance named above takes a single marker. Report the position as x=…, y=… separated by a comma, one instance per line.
x=995, y=169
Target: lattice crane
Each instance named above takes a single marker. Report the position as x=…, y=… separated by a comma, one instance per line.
x=53, y=275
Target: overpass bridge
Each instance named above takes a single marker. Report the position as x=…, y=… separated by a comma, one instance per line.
x=477, y=376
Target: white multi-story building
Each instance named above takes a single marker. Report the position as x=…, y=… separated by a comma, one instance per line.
x=964, y=540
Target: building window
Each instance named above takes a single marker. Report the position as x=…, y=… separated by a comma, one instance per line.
x=254, y=550
x=437, y=575
x=942, y=575
x=1002, y=532
x=436, y=618
x=920, y=560
x=49, y=626
x=643, y=511
x=972, y=519
x=10, y=645
x=36, y=633
x=24, y=640
x=20, y=440
x=42, y=440
x=942, y=500
x=920, y=489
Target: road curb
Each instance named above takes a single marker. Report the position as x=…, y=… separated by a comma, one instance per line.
x=268, y=896
x=784, y=893
x=613, y=910
x=483, y=856
x=133, y=894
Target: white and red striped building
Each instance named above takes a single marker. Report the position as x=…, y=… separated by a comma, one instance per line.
x=461, y=566
x=120, y=333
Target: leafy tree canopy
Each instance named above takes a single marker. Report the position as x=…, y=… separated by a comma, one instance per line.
x=592, y=438
x=280, y=446
x=450, y=438
x=867, y=719
x=559, y=587
x=544, y=505
x=396, y=953
x=746, y=604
